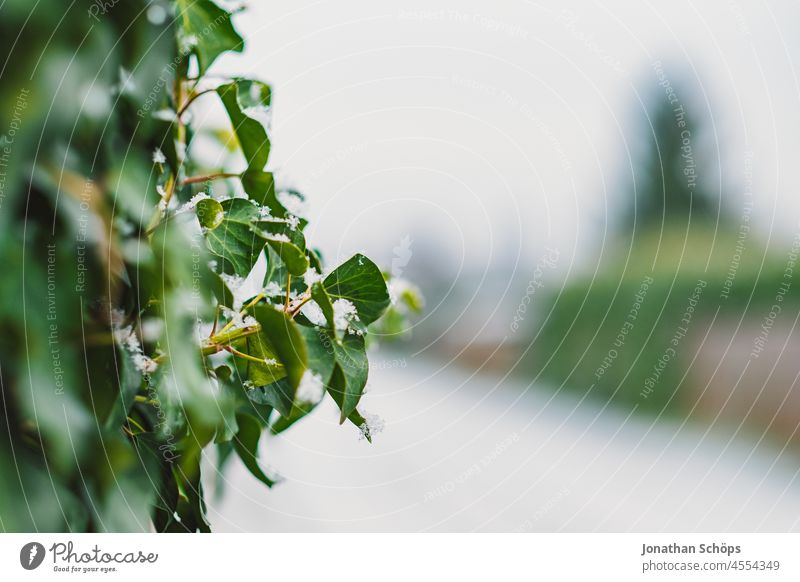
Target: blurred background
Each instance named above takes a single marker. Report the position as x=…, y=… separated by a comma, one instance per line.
x=599, y=203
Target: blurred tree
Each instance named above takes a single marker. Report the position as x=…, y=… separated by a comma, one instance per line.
x=669, y=183
x=619, y=335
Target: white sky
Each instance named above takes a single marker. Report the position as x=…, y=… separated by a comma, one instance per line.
x=493, y=129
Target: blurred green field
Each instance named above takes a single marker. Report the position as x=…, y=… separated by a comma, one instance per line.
x=619, y=336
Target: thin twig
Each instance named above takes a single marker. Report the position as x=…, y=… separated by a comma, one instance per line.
x=239, y=354
x=208, y=178
x=191, y=99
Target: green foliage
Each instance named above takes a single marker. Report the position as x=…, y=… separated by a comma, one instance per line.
x=130, y=347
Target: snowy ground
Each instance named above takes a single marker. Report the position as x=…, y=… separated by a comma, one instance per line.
x=464, y=452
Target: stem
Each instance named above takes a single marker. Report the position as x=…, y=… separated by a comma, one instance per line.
x=137, y=425
x=296, y=308
x=226, y=338
x=190, y=100
x=216, y=319
x=156, y=220
x=208, y=178
x=288, y=289
x=243, y=312
x=242, y=355
x=146, y=400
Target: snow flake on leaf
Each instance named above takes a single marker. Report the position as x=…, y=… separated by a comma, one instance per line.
x=311, y=388
x=292, y=203
x=311, y=276
x=344, y=312
x=272, y=289
x=128, y=339
x=372, y=425
x=313, y=313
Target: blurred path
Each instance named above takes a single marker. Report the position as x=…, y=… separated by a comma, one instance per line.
x=464, y=453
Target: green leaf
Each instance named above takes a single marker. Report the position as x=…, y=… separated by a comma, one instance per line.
x=260, y=346
x=279, y=395
x=285, y=340
x=350, y=376
x=255, y=97
x=260, y=187
x=321, y=361
x=287, y=244
x=206, y=30
x=298, y=411
x=222, y=292
x=251, y=133
x=321, y=355
x=336, y=389
x=360, y=281
x=321, y=297
x=234, y=240
x=246, y=445
x=209, y=213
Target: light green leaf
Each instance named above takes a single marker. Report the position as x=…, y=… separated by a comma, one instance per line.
x=259, y=346
x=286, y=341
x=209, y=213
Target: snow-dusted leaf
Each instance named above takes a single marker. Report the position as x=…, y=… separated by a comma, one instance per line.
x=287, y=243
x=260, y=374
x=205, y=30
x=321, y=298
x=252, y=135
x=350, y=374
x=234, y=240
x=260, y=187
x=359, y=281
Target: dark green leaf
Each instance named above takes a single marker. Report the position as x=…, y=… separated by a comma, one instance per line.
x=207, y=31
x=350, y=376
x=321, y=355
x=252, y=135
x=246, y=445
x=279, y=395
x=260, y=187
x=336, y=389
x=321, y=362
x=222, y=292
x=321, y=297
x=360, y=281
x=292, y=256
x=298, y=411
x=234, y=240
